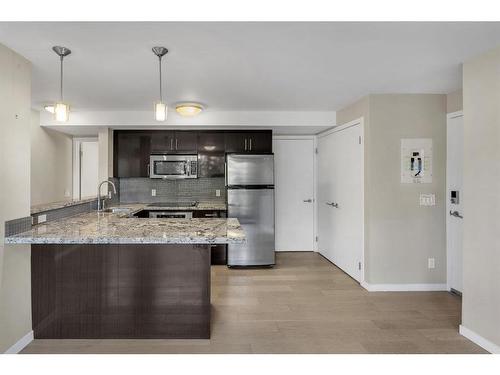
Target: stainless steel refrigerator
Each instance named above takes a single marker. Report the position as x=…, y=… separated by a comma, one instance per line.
x=250, y=199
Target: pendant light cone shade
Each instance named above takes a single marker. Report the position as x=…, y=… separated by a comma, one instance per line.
x=61, y=109
x=160, y=107
x=160, y=111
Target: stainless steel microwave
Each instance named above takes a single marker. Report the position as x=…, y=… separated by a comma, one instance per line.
x=173, y=166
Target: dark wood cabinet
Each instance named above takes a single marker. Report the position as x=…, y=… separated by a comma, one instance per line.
x=132, y=148
x=185, y=141
x=131, y=153
x=260, y=142
x=249, y=142
x=162, y=141
x=211, y=154
x=173, y=142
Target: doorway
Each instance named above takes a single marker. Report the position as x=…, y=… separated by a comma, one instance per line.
x=341, y=197
x=454, y=200
x=294, y=198
x=86, y=167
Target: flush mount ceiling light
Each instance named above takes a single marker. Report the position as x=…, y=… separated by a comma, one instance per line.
x=60, y=109
x=189, y=109
x=160, y=107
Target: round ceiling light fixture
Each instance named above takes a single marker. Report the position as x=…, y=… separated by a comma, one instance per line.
x=189, y=109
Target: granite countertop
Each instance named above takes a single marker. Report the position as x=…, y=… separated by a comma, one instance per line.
x=119, y=228
x=60, y=204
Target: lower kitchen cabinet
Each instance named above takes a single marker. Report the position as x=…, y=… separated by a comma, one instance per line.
x=218, y=255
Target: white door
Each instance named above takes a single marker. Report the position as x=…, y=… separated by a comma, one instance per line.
x=294, y=194
x=454, y=212
x=89, y=169
x=340, y=191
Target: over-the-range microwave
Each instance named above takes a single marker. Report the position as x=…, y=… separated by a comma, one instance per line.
x=173, y=166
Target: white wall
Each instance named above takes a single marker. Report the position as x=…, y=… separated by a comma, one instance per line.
x=15, y=117
x=51, y=164
x=399, y=234
x=124, y=119
x=481, y=241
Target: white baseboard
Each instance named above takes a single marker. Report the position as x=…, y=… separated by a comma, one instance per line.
x=403, y=287
x=479, y=340
x=21, y=344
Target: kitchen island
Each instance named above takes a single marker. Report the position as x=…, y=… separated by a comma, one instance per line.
x=108, y=275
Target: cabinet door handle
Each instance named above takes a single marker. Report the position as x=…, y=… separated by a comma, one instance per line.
x=245, y=144
x=171, y=143
x=250, y=144
x=307, y=200
x=176, y=143
x=211, y=215
x=148, y=170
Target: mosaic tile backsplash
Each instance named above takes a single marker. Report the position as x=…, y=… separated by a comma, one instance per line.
x=134, y=190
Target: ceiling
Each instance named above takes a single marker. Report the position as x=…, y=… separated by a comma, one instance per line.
x=246, y=65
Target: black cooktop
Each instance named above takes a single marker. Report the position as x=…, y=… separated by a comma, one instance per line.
x=174, y=204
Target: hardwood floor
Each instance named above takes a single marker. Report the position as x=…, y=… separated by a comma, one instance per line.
x=304, y=305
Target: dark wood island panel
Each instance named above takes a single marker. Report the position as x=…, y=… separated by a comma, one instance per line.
x=141, y=291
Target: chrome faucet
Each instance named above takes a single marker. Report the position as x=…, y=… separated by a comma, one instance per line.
x=99, y=208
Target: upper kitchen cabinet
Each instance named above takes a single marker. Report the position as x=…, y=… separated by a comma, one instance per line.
x=173, y=142
x=162, y=141
x=211, y=142
x=257, y=142
x=185, y=142
x=131, y=153
x=211, y=156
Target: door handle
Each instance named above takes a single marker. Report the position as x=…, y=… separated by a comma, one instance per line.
x=456, y=214
x=245, y=144
x=250, y=139
x=333, y=204
x=176, y=143
x=171, y=143
x=307, y=200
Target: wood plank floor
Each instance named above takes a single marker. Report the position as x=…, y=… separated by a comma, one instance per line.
x=304, y=305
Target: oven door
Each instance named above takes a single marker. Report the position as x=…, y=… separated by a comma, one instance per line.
x=170, y=214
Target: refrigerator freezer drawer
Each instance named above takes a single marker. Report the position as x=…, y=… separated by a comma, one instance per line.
x=254, y=208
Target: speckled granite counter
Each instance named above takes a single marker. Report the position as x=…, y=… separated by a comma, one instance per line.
x=118, y=228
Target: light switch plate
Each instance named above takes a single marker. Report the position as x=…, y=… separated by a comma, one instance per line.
x=153, y=192
x=427, y=199
x=431, y=263
x=217, y=192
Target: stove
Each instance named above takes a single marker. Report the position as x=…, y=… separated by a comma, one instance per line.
x=174, y=204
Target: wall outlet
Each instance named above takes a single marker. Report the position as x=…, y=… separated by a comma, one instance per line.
x=41, y=219
x=153, y=192
x=427, y=199
x=217, y=193
x=431, y=263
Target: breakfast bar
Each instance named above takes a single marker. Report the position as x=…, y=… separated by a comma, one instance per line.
x=111, y=275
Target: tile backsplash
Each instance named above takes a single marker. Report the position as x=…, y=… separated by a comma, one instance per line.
x=200, y=189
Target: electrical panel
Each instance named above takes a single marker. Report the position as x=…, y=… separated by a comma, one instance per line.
x=416, y=160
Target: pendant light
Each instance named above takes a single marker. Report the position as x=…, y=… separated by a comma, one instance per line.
x=61, y=109
x=160, y=107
